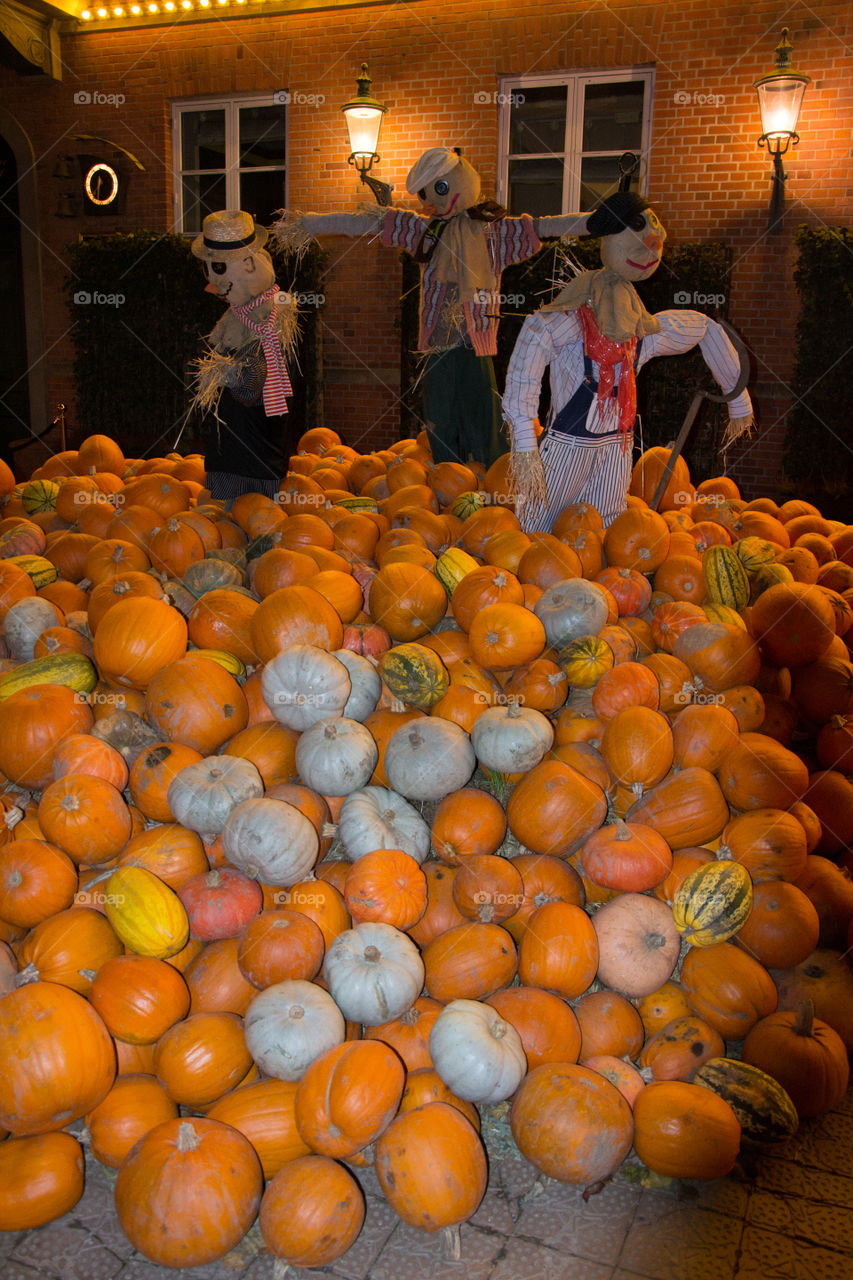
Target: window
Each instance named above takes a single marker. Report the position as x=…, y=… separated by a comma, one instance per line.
x=561, y=137
x=229, y=153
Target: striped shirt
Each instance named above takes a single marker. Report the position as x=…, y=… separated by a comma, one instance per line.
x=552, y=339
x=509, y=240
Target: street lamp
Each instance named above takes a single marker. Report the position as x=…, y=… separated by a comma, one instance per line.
x=364, y=120
x=780, y=97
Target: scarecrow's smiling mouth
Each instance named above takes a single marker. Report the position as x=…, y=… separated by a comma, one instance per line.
x=642, y=266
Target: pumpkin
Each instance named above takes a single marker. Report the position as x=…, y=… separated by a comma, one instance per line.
x=41, y=1179
x=320, y=902
x=585, y=660
x=386, y=885
x=215, y=981
x=794, y=622
x=32, y=723
x=441, y=911
x=467, y=821
x=57, y=1060
x=571, y=1123
x=305, y=684
x=377, y=818
x=429, y=759
x=172, y=852
x=336, y=756
x=136, y=638
x=712, y=903
x=265, y=1113
x=408, y=1035
x=628, y=857
x=764, y=1109
x=36, y=880
x=270, y=840
x=407, y=600
x=638, y=944
x=414, y=674
x=469, y=962
x=571, y=609
x=727, y=988
x=197, y=703
x=86, y=817
x=687, y=808
x=488, y=888
x=783, y=927
x=219, y=903
x=188, y=1192
x=762, y=774
x=805, y=1055
x=684, y=1131
x=476, y=1052
x=703, y=735
x=637, y=539
x=294, y=615
x=637, y=746
x=770, y=843
x=139, y=997
x=374, y=973
x=348, y=1097
x=68, y=948
x=609, y=1024
x=511, y=739
x=823, y=979
x=558, y=950
x=278, y=945
x=133, y=1106
x=290, y=1024
x=554, y=807
x=719, y=655
x=312, y=1212
x=680, y=1048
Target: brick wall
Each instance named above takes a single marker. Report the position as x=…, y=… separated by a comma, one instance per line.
x=428, y=59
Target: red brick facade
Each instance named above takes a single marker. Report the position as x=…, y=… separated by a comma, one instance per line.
x=428, y=59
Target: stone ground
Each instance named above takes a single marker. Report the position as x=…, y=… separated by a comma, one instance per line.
x=789, y=1217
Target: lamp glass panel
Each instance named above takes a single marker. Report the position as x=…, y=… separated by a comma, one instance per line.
x=363, y=124
x=780, y=101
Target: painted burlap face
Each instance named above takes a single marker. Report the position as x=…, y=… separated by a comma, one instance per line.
x=635, y=254
x=238, y=280
x=451, y=192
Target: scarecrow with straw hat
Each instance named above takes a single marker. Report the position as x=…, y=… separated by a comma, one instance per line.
x=593, y=338
x=242, y=379
x=462, y=244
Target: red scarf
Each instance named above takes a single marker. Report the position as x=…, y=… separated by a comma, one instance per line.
x=608, y=354
x=277, y=382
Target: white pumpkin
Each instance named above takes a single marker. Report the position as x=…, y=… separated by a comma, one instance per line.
x=25, y=621
x=304, y=684
x=336, y=756
x=638, y=944
x=377, y=818
x=374, y=972
x=576, y=607
x=366, y=684
x=270, y=840
x=511, y=739
x=477, y=1053
x=290, y=1024
x=426, y=759
x=202, y=795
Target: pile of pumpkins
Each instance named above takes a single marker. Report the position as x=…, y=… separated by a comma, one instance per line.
x=588, y=803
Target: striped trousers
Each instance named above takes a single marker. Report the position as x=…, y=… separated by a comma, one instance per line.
x=577, y=470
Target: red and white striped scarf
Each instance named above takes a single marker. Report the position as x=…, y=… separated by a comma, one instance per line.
x=277, y=385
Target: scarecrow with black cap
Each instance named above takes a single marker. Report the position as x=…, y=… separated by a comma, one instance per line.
x=242, y=380
x=593, y=338
x=462, y=244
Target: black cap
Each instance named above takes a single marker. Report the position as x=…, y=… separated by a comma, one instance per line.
x=617, y=213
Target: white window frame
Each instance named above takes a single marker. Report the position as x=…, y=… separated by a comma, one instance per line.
x=231, y=105
x=572, y=154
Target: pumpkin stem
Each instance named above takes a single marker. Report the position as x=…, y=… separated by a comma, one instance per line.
x=372, y=954
x=13, y=816
x=804, y=1023
x=214, y=879
x=29, y=973
x=280, y=1269
x=328, y=831
x=513, y=711
x=297, y=1013
x=187, y=1137
x=724, y=854
x=623, y=831
x=451, y=1243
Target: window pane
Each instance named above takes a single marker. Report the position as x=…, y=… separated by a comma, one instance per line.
x=613, y=116
x=536, y=187
x=600, y=178
x=262, y=194
x=202, y=194
x=203, y=139
x=261, y=136
x=537, y=120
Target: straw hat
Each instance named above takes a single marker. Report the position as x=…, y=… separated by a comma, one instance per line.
x=231, y=233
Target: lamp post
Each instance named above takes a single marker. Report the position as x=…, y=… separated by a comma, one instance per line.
x=363, y=115
x=780, y=97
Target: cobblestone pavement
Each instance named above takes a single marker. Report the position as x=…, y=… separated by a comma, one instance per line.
x=788, y=1217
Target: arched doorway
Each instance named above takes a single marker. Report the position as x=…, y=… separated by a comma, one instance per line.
x=23, y=397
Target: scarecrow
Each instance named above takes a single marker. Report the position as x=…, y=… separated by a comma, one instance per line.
x=242, y=379
x=462, y=244
x=593, y=338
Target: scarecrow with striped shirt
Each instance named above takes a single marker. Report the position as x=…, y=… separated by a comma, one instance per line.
x=593, y=338
x=242, y=382
x=462, y=244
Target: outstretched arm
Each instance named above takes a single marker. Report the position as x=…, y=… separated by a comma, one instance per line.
x=561, y=224
x=297, y=230
x=681, y=331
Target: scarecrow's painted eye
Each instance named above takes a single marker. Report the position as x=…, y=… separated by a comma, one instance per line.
x=441, y=187
x=219, y=268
